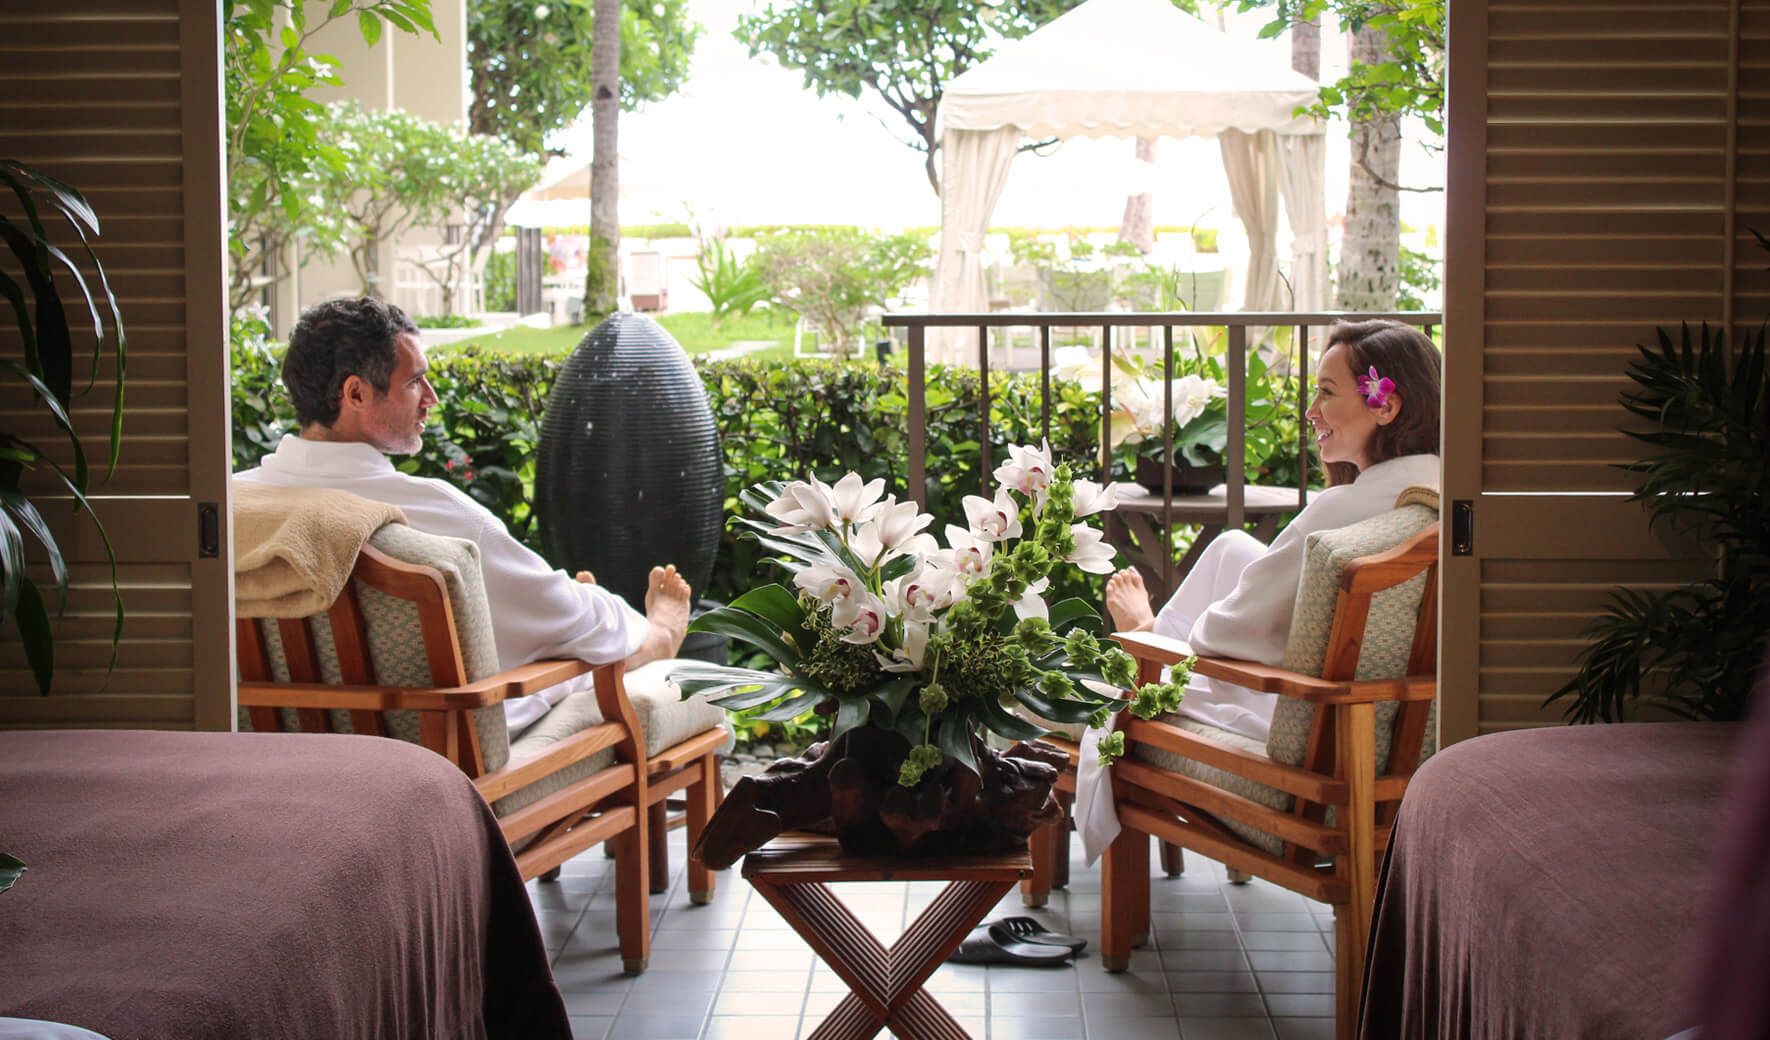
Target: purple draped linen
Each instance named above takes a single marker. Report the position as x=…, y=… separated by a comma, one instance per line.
x=1549, y=883
x=212, y=885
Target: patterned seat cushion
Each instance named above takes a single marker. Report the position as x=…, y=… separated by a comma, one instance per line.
x=1388, y=641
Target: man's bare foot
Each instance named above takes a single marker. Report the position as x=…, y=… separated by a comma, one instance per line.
x=667, y=607
x=1127, y=600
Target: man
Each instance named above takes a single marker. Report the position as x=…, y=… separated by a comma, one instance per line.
x=355, y=371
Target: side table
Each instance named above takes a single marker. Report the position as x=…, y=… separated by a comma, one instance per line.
x=1135, y=528
x=794, y=871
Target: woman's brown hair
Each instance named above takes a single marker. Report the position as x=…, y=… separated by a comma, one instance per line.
x=1404, y=354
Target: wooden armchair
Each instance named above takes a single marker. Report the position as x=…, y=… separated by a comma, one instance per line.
x=406, y=651
x=1311, y=810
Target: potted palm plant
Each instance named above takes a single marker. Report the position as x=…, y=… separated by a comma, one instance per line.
x=1692, y=651
x=45, y=371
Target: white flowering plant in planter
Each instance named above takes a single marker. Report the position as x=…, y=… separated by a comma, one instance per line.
x=886, y=627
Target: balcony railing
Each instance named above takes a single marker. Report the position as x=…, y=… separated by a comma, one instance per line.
x=1110, y=324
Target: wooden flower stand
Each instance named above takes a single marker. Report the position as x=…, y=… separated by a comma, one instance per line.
x=794, y=871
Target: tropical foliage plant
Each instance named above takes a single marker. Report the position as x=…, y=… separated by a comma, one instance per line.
x=886, y=627
x=731, y=285
x=1692, y=651
x=46, y=372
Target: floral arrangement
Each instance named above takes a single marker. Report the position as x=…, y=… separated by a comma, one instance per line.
x=1200, y=413
x=886, y=627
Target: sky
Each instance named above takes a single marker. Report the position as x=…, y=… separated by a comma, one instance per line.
x=746, y=142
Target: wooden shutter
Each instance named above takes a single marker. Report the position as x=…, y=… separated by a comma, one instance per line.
x=122, y=100
x=1606, y=159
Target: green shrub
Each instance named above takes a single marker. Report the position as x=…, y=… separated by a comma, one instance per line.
x=648, y=231
x=830, y=276
x=445, y=321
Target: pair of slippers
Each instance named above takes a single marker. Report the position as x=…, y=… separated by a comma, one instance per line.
x=1016, y=940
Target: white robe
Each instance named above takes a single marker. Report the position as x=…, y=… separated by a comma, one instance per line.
x=1236, y=602
x=537, y=612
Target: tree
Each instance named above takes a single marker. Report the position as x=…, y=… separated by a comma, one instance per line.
x=534, y=69
x=1396, y=71
x=830, y=275
x=478, y=174
x=601, y=283
x=905, y=51
x=275, y=153
x=530, y=63
x=391, y=181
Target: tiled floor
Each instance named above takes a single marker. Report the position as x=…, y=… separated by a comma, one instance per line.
x=1224, y=962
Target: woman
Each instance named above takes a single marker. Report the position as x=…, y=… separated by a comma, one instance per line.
x=1375, y=415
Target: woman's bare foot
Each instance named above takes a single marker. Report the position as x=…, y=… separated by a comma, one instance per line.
x=1127, y=600
x=667, y=607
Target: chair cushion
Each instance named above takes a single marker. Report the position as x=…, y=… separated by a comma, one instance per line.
x=1388, y=630
x=1184, y=766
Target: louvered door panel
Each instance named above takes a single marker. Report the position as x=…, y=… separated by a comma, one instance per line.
x=1600, y=156
x=121, y=99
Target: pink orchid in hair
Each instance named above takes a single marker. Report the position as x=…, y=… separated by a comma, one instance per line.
x=1375, y=389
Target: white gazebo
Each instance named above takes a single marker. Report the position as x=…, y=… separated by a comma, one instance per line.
x=1135, y=68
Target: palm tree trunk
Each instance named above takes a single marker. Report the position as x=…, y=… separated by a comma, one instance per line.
x=1370, y=250
x=603, y=284
x=1137, y=226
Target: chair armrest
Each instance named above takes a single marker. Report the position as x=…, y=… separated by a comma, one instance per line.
x=1147, y=646
x=516, y=682
x=1166, y=650
x=1268, y=679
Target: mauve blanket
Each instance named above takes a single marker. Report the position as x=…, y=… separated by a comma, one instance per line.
x=1549, y=883
x=209, y=885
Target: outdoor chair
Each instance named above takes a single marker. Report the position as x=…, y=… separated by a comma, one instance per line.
x=406, y=651
x=1311, y=809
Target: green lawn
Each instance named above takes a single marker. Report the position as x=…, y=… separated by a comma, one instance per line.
x=694, y=330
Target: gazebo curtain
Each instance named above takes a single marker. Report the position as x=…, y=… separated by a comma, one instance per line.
x=974, y=169
x=1250, y=162
x=1302, y=167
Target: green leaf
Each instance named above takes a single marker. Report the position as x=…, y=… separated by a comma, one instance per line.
x=775, y=604
x=35, y=635
x=371, y=27
x=1005, y=723
x=792, y=707
x=1066, y=612
x=850, y=712
x=952, y=734
x=742, y=625
x=11, y=868
x=19, y=504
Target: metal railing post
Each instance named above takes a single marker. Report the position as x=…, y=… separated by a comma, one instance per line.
x=918, y=417
x=1236, y=457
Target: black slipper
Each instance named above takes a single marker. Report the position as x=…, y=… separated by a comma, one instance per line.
x=1029, y=930
x=988, y=946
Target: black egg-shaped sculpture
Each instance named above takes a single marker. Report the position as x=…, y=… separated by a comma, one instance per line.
x=630, y=474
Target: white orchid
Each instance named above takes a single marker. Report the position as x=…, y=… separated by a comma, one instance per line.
x=862, y=615
x=970, y=554
x=1028, y=471
x=993, y=521
x=851, y=499
x=1092, y=553
x=1078, y=365
x=917, y=595
x=803, y=505
x=898, y=523
x=1032, y=602
x=907, y=658
x=827, y=584
x=1091, y=498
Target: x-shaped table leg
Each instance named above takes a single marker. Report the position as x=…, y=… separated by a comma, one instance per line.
x=885, y=984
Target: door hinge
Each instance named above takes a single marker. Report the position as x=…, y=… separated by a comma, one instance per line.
x=208, y=530
x=1462, y=527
